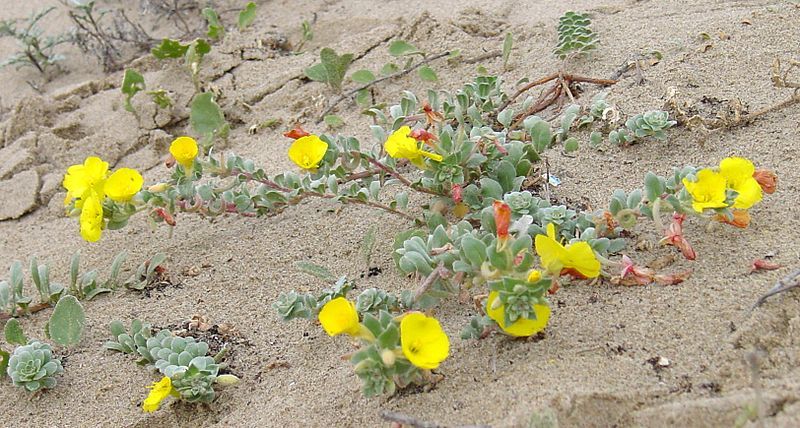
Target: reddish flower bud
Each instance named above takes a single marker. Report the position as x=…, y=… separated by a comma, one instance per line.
x=164, y=215
x=767, y=179
x=430, y=115
x=455, y=193
x=296, y=132
x=422, y=135
x=741, y=219
x=502, y=219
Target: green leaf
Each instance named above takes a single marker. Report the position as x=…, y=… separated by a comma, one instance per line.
x=427, y=74
x=4, y=356
x=571, y=145
x=362, y=76
x=318, y=271
x=67, y=322
x=334, y=121
x=169, y=49
x=389, y=69
x=14, y=333
x=317, y=73
x=363, y=98
x=401, y=48
x=132, y=83
x=206, y=116
x=247, y=16
x=194, y=55
x=215, y=28
x=508, y=43
x=331, y=69
x=541, y=135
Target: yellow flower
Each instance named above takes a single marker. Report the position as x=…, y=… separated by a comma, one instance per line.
x=91, y=218
x=577, y=259
x=738, y=173
x=424, y=343
x=708, y=191
x=339, y=316
x=401, y=145
x=534, y=276
x=123, y=184
x=308, y=151
x=159, y=391
x=184, y=150
x=84, y=178
x=522, y=327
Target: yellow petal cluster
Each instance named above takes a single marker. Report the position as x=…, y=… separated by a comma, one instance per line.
x=708, y=191
x=738, y=173
x=424, y=342
x=307, y=152
x=400, y=145
x=522, y=327
x=88, y=184
x=339, y=316
x=123, y=184
x=159, y=391
x=577, y=259
x=184, y=150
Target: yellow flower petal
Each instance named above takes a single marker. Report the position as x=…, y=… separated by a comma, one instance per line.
x=522, y=327
x=91, y=219
x=184, y=150
x=736, y=170
x=750, y=193
x=83, y=178
x=555, y=258
x=339, y=316
x=581, y=257
x=308, y=151
x=158, y=392
x=424, y=342
x=550, y=251
x=708, y=191
x=123, y=184
x=400, y=145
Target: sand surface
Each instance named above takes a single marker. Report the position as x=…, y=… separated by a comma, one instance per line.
x=594, y=365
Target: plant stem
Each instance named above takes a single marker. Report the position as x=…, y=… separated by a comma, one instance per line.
x=400, y=73
x=406, y=182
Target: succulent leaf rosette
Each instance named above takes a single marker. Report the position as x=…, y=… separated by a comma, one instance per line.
x=34, y=367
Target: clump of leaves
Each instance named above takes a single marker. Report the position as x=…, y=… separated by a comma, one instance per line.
x=192, y=54
x=34, y=367
x=574, y=35
x=36, y=49
x=132, y=83
x=650, y=124
x=331, y=69
x=247, y=16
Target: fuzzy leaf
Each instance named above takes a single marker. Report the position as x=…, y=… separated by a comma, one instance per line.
x=169, y=49
x=132, y=83
x=215, y=28
x=427, y=74
x=247, y=16
x=402, y=48
x=362, y=76
x=206, y=116
x=67, y=322
x=13, y=332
